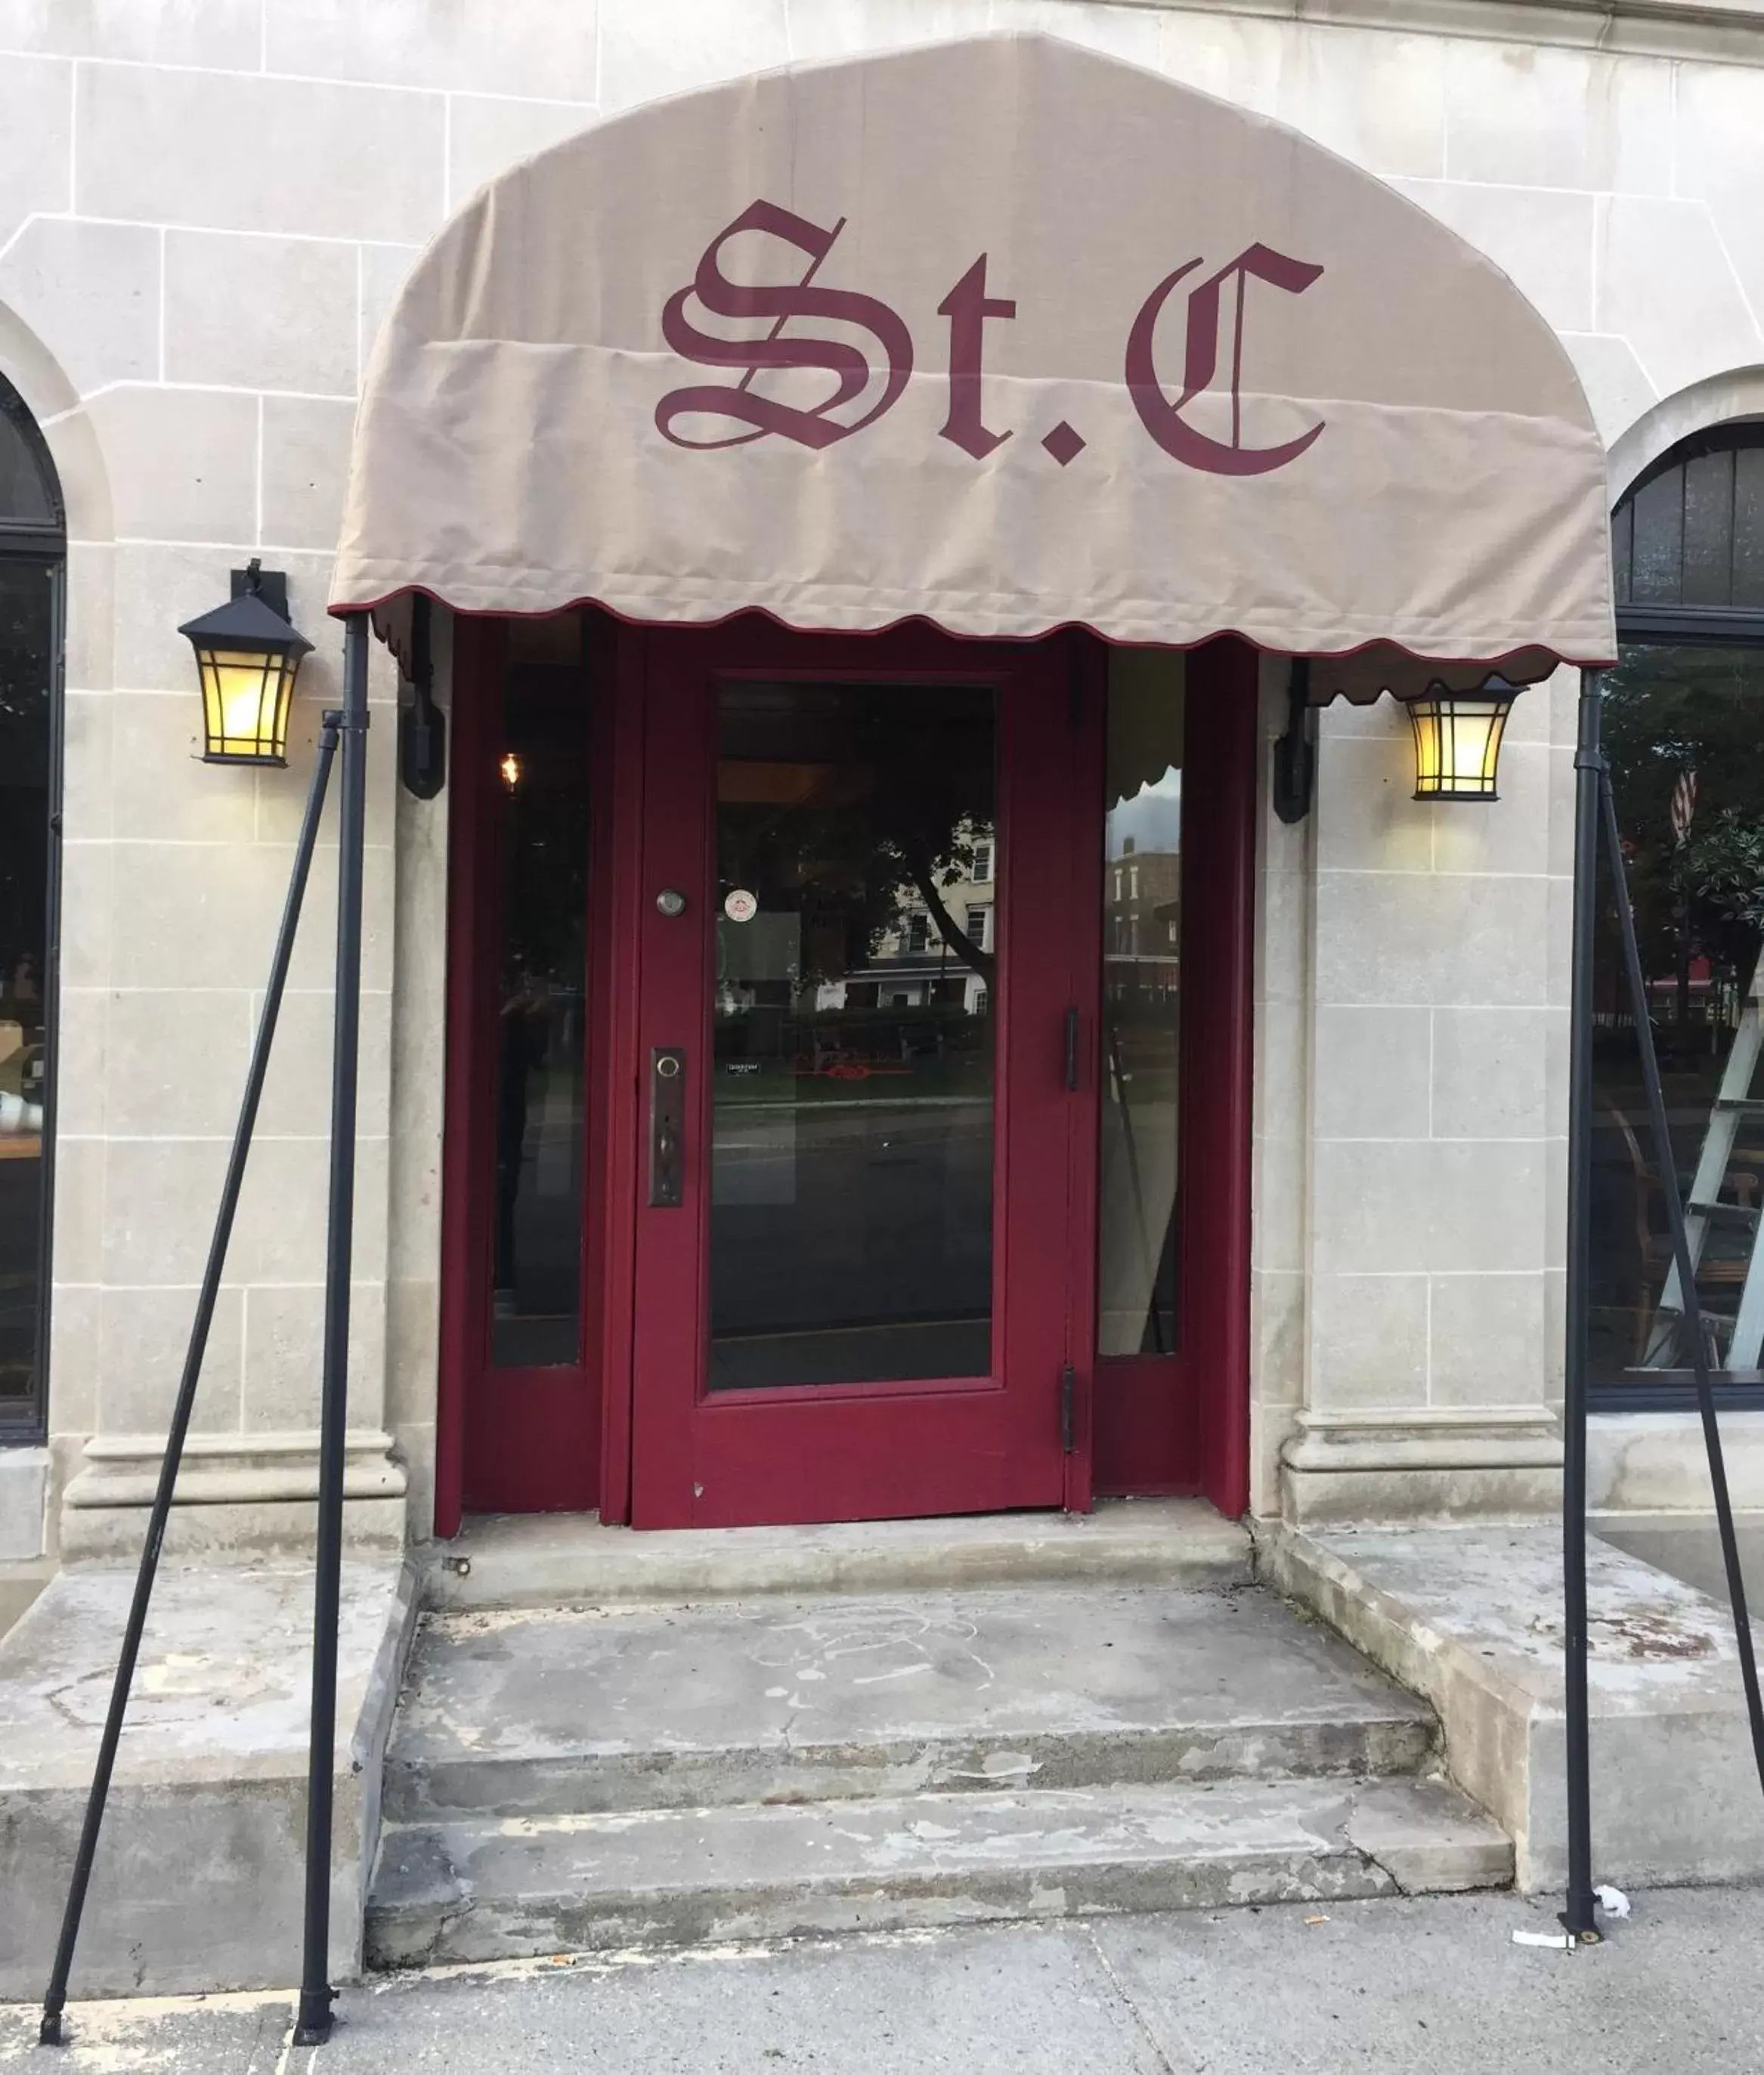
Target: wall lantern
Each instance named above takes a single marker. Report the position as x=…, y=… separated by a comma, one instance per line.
x=513, y=770
x=1458, y=739
x=247, y=655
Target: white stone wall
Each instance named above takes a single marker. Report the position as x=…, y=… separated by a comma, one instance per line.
x=206, y=206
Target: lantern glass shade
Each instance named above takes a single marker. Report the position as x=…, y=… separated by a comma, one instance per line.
x=1458, y=742
x=247, y=657
x=246, y=699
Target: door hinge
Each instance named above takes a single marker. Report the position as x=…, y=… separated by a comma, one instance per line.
x=1068, y=1409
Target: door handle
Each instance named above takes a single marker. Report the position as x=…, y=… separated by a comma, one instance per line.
x=667, y=1127
x=1071, y=1051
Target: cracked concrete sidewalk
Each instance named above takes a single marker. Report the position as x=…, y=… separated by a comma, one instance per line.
x=1311, y=1990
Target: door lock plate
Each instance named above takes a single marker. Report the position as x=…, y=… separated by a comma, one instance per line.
x=667, y=1127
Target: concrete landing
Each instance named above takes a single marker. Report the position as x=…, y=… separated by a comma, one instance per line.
x=197, y=1884
x=519, y=1713
x=565, y=1559
x=1470, y=1618
x=681, y=1877
x=770, y=1768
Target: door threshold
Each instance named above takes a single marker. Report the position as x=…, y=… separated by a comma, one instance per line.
x=559, y=1559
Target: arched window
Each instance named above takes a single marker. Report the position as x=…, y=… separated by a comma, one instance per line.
x=1684, y=730
x=32, y=548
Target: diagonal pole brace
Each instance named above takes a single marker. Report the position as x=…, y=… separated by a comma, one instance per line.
x=55, y=1999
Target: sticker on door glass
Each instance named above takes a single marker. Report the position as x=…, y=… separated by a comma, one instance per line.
x=740, y=905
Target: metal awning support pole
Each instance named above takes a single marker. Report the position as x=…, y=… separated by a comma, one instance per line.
x=1578, y=1915
x=55, y=2001
x=313, y=2021
x=1664, y=1161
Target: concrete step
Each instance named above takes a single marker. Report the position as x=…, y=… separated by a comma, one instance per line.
x=474, y=1891
x=558, y=1559
x=519, y=1714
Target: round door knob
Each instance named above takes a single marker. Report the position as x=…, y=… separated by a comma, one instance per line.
x=671, y=901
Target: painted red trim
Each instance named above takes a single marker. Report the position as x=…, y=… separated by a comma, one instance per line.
x=759, y=612
x=1224, y=734
x=477, y=654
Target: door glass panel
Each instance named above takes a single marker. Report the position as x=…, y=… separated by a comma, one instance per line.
x=541, y=816
x=852, y=1104
x=1142, y=1001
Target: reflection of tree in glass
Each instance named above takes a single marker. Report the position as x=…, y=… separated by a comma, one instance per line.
x=1670, y=711
x=902, y=795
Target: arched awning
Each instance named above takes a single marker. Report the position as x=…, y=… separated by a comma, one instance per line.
x=1001, y=333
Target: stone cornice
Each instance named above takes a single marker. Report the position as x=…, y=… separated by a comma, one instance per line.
x=1701, y=30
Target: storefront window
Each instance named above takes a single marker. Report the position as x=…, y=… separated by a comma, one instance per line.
x=1141, y=998
x=542, y=847
x=30, y=551
x=1684, y=730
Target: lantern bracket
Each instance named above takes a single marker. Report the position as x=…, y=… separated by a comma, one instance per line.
x=1295, y=751
x=254, y=581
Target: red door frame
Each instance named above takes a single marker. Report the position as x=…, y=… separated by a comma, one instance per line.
x=1179, y=1424
x=1158, y=1425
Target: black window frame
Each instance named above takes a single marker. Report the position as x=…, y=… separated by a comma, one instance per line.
x=33, y=543
x=1683, y=626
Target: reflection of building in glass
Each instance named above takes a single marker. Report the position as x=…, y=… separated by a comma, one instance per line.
x=1141, y=924
x=918, y=961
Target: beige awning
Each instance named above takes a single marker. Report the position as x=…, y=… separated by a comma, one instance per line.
x=1001, y=333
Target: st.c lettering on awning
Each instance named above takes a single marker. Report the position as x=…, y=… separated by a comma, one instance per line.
x=1002, y=334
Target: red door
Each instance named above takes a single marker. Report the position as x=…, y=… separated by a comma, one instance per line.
x=862, y=1056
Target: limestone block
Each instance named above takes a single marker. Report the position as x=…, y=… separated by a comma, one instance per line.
x=306, y=446
x=846, y=28
x=1485, y=1338
x=1667, y=285
x=143, y=1336
x=485, y=137
x=1367, y=817
x=525, y=47
x=297, y=1091
x=1237, y=57
x=91, y=292
x=283, y=1354
x=1394, y=1205
x=1370, y=1071
x=234, y=151
x=1616, y=385
x=91, y=610
x=1130, y=32
x=37, y=139
x=1471, y=1618
x=239, y=1496
x=279, y=1236
x=1718, y=136
x=385, y=269
x=74, y=1310
x=650, y=48
x=1368, y=1340
x=1525, y=115
x=1422, y=936
x=260, y=313
x=1377, y=100
x=162, y=791
x=182, y=464
x=1492, y=1070
x=1414, y=1465
x=176, y=1060
x=1658, y=1463
x=1544, y=240
x=79, y=1240
x=24, y=1496
x=81, y=1041
x=212, y=1774
x=228, y=34
x=88, y=737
